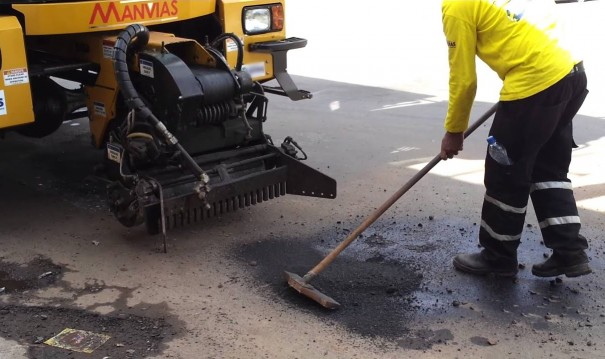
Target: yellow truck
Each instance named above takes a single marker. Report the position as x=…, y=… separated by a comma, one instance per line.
x=176, y=93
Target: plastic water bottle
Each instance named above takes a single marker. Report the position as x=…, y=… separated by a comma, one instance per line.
x=498, y=152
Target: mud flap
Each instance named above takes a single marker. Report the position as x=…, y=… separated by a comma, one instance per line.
x=306, y=181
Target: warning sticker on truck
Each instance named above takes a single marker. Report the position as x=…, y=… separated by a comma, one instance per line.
x=147, y=68
x=231, y=45
x=15, y=77
x=108, y=52
x=114, y=152
x=2, y=103
x=100, y=109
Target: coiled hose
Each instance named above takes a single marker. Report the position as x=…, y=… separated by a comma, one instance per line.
x=138, y=36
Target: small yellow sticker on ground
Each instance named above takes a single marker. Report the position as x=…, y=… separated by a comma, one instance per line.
x=77, y=340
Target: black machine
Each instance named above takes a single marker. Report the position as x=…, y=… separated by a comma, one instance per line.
x=191, y=144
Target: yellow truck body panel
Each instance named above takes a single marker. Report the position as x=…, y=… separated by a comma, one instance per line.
x=16, y=107
x=104, y=15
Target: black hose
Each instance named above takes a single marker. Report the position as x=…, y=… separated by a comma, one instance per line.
x=138, y=36
x=238, y=42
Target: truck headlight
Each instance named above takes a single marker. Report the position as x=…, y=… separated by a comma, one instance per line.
x=262, y=19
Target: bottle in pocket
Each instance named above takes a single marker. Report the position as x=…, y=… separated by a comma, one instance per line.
x=498, y=152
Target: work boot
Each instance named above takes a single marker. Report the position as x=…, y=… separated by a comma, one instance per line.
x=570, y=263
x=479, y=264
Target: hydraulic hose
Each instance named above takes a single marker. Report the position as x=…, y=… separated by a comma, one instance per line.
x=138, y=35
x=238, y=43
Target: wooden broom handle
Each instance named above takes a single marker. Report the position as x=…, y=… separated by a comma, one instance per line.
x=389, y=202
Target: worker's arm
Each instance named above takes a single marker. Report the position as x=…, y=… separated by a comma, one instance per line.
x=462, y=43
x=461, y=38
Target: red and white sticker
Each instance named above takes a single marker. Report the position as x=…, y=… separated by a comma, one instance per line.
x=2, y=103
x=231, y=45
x=15, y=77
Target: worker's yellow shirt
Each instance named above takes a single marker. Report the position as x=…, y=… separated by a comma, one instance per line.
x=518, y=39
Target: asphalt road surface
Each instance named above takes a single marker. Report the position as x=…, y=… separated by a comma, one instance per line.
x=219, y=291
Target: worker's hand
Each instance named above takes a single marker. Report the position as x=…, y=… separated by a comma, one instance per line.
x=451, y=144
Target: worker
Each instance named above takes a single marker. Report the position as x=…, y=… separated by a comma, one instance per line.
x=544, y=86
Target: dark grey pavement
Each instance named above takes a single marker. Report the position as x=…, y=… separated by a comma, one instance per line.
x=400, y=294
x=219, y=292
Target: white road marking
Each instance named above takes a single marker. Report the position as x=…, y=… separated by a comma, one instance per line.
x=405, y=149
x=425, y=101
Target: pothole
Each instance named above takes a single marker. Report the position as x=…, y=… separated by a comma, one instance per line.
x=131, y=336
x=38, y=273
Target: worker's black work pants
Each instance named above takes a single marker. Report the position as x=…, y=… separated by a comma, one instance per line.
x=537, y=133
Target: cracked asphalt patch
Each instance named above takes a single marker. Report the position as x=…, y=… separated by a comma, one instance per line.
x=132, y=335
x=396, y=283
x=375, y=295
x=40, y=272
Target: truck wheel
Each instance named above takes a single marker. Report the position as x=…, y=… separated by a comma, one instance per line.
x=50, y=106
